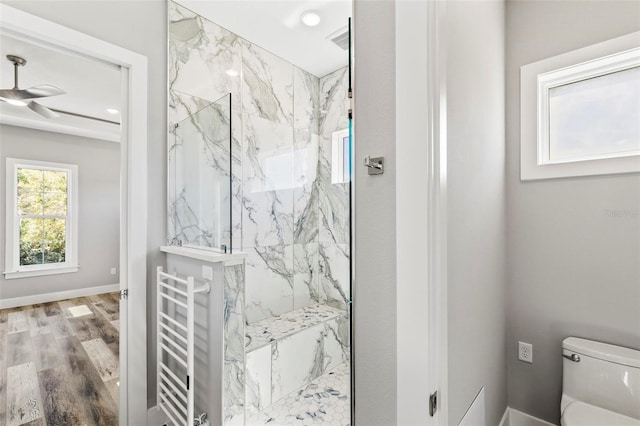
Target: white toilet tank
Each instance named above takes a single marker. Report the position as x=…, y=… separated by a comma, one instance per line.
x=600, y=375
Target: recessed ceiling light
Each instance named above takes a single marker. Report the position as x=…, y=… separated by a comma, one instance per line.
x=112, y=111
x=310, y=18
x=15, y=102
x=232, y=72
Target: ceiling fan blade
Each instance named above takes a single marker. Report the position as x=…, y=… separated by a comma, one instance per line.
x=43, y=90
x=42, y=110
x=15, y=94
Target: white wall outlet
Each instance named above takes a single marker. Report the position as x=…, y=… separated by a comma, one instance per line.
x=207, y=272
x=525, y=352
x=113, y=271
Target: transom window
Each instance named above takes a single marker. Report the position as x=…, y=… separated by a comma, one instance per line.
x=41, y=218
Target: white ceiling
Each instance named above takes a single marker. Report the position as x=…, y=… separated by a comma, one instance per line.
x=92, y=86
x=276, y=26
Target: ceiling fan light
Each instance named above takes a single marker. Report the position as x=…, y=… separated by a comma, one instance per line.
x=15, y=102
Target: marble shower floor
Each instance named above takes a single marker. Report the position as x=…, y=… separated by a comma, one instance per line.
x=324, y=401
x=59, y=362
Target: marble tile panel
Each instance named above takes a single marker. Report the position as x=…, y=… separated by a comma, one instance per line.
x=267, y=85
x=234, y=289
x=324, y=401
x=296, y=360
x=334, y=274
x=306, y=193
x=305, y=275
x=233, y=374
x=333, y=203
x=201, y=170
x=334, y=102
x=306, y=99
x=205, y=59
x=46, y=351
x=105, y=362
x=267, y=154
x=62, y=403
x=336, y=343
x=267, y=219
x=269, y=282
x=258, y=374
x=24, y=403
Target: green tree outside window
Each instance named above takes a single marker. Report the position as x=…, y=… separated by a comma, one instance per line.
x=42, y=210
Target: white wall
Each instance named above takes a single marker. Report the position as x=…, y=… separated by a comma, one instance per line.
x=476, y=207
x=572, y=269
x=99, y=203
x=140, y=26
x=374, y=306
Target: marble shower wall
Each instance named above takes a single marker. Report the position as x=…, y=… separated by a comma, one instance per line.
x=288, y=215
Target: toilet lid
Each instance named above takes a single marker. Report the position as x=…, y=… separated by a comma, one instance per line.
x=581, y=414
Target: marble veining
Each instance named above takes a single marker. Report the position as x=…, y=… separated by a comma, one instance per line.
x=278, y=327
x=267, y=85
x=233, y=373
x=325, y=400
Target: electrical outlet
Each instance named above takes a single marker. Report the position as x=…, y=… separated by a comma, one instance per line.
x=207, y=272
x=113, y=271
x=525, y=352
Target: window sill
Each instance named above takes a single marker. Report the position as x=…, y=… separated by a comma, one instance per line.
x=9, y=275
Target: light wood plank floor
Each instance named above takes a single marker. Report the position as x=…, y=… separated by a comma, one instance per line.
x=59, y=362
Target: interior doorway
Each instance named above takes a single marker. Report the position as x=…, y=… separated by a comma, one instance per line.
x=104, y=315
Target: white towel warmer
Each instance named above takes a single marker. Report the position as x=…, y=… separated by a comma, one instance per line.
x=175, y=346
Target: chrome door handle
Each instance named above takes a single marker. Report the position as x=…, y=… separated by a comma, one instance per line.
x=572, y=357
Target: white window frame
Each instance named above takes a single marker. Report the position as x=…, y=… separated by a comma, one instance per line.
x=13, y=269
x=337, y=156
x=537, y=79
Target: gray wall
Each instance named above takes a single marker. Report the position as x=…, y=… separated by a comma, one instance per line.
x=374, y=307
x=140, y=26
x=476, y=207
x=99, y=206
x=573, y=270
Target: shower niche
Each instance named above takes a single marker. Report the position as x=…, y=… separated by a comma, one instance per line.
x=200, y=179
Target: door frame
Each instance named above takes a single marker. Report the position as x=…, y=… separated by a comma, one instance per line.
x=133, y=209
x=421, y=211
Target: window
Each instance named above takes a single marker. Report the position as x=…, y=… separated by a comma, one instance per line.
x=580, y=112
x=41, y=218
x=340, y=157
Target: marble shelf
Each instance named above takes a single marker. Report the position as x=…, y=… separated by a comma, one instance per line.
x=203, y=254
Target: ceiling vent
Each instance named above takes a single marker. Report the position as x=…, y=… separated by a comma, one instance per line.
x=341, y=38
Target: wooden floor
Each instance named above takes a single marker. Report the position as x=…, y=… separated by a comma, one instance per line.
x=59, y=362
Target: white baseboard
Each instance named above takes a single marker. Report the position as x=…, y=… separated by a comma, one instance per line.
x=59, y=295
x=155, y=417
x=514, y=417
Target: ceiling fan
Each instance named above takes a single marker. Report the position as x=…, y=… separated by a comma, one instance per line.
x=22, y=97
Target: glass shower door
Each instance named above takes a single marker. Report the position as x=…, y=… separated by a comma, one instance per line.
x=201, y=168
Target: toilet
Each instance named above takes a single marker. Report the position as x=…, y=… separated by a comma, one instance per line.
x=600, y=384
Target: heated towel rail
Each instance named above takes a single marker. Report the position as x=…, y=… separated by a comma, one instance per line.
x=175, y=346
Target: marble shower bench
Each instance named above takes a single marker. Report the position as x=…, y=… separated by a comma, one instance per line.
x=286, y=352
